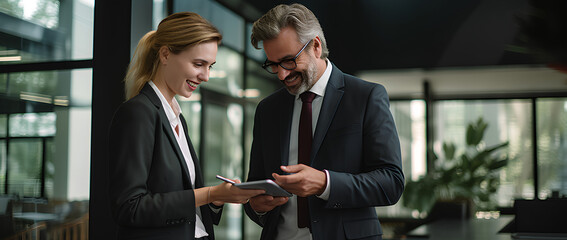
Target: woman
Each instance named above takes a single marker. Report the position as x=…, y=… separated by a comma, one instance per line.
x=156, y=186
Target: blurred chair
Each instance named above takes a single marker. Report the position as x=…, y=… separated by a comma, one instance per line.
x=34, y=232
x=77, y=229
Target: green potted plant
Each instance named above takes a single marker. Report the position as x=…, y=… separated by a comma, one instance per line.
x=471, y=177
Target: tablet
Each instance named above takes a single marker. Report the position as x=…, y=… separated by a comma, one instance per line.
x=270, y=186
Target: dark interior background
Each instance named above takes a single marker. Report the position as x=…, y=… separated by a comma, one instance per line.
x=385, y=34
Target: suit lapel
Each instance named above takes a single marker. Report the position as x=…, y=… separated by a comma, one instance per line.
x=166, y=130
x=333, y=94
x=286, y=115
x=198, y=176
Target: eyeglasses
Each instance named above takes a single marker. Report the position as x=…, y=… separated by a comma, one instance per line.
x=287, y=64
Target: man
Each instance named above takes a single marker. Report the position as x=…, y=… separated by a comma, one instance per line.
x=335, y=147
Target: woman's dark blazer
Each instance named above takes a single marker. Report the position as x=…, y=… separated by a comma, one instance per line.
x=149, y=185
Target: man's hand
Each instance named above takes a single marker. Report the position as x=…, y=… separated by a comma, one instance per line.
x=305, y=181
x=265, y=203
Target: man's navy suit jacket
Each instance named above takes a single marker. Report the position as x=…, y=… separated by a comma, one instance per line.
x=355, y=140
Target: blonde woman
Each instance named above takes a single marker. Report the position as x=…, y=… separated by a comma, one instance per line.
x=156, y=185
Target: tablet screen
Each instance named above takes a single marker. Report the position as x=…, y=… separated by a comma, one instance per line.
x=270, y=186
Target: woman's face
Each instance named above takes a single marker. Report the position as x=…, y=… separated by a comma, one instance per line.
x=181, y=73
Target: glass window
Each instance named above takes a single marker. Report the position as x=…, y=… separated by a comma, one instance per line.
x=409, y=117
x=251, y=229
x=410, y=123
x=32, y=124
x=24, y=167
x=41, y=91
x=191, y=110
x=552, y=147
x=226, y=75
x=508, y=121
x=230, y=25
x=46, y=30
x=41, y=12
x=3, y=169
x=223, y=155
x=256, y=54
x=260, y=83
x=3, y=125
x=45, y=149
x=32, y=85
x=49, y=170
x=159, y=12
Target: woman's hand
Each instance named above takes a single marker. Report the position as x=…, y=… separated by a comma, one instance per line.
x=228, y=193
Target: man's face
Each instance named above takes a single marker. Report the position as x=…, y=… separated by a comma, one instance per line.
x=286, y=46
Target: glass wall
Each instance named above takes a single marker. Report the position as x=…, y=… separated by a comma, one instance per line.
x=409, y=116
x=45, y=116
x=45, y=30
x=552, y=147
x=508, y=121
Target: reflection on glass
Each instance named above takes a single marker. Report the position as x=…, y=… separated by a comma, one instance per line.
x=41, y=12
x=3, y=169
x=508, y=120
x=226, y=75
x=38, y=84
x=49, y=170
x=409, y=117
x=251, y=229
x=223, y=155
x=24, y=167
x=191, y=110
x=256, y=54
x=229, y=23
x=45, y=30
x=32, y=124
x=45, y=142
x=552, y=147
x=262, y=82
x=3, y=126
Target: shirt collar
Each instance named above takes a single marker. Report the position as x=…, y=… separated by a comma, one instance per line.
x=172, y=112
x=321, y=84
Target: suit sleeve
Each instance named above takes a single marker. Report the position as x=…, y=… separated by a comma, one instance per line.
x=383, y=184
x=132, y=142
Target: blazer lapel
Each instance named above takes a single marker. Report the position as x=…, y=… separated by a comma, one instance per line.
x=333, y=94
x=166, y=129
x=286, y=115
x=198, y=171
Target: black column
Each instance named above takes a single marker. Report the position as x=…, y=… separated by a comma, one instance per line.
x=111, y=55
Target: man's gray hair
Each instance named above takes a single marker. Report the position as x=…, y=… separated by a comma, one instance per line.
x=295, y=15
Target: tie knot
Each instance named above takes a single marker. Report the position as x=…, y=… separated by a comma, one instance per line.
x=307, y=97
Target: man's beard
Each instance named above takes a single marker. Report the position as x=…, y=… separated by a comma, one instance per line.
x=308, y=79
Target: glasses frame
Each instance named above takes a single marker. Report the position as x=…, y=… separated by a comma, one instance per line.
x=268, y=65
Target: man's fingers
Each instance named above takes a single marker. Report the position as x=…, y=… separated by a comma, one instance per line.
x=286, y=179
x=292, y=168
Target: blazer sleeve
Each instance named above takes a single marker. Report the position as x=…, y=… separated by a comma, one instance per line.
x=382, y=183
x=132, y=150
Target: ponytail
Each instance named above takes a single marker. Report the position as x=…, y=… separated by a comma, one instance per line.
x=142, y=67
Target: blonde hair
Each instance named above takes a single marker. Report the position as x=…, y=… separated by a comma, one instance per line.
x=177, y=32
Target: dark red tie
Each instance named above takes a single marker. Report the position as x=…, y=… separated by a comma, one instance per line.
x=304, y=152
x=177, y=129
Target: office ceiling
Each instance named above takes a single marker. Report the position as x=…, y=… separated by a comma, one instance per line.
x=394, y=34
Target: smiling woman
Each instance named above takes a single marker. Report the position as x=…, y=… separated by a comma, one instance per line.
x=157, y=186
x=181, y=73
